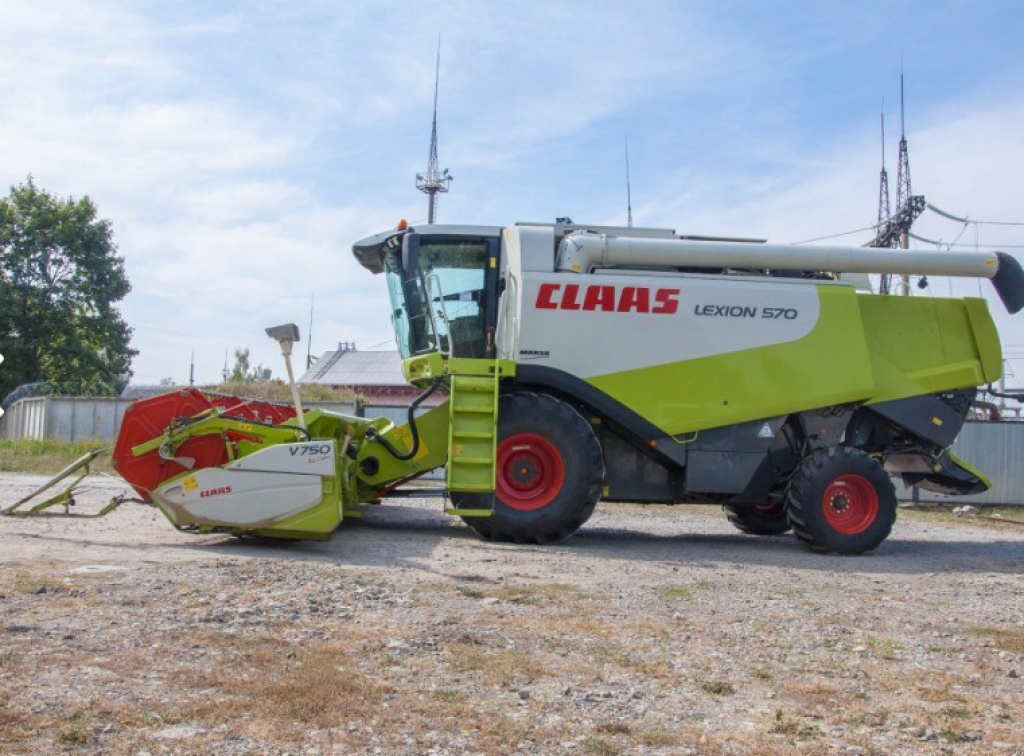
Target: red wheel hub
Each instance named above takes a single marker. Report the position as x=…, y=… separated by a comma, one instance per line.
x=850, y=504
x=770, y=509
x=530, y=471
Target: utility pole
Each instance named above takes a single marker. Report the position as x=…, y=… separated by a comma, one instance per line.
x=192, y=368
x=434, y=181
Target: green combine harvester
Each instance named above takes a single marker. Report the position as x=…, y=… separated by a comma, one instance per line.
x=585, y=364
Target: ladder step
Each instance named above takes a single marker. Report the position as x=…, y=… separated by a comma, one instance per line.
x=479, y=385
x=474, y=410
x=472, y=434
x=469, y=512
x=471, y=460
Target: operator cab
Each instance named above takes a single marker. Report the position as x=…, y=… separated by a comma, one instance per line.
x=442, y=281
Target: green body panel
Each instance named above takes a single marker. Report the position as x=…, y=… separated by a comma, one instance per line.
x=828, y=366
x=864, y=348
x=924, y=345
x=433, y=452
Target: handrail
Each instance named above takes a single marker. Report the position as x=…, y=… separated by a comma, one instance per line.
x=432, y=278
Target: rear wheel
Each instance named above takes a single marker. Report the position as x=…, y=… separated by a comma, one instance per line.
x=841, y=500
x=760, y=519
x=549, y=473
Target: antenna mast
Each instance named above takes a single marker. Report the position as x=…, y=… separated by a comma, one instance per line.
x=894, y=231
x=434, y=181
x=629, y=193
x=309, y=334
x=884, y=209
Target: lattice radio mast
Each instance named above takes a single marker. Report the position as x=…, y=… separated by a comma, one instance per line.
x=434, y=181
x=884, y=209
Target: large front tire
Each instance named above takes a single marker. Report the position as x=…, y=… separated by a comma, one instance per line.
x=550, y=469
x=841, y=500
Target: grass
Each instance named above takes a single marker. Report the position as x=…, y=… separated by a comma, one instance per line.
x=886, y=648
x=676, y=592
x=279, y=391
x=598, y=746
x=548, y=593
x=307, y=690
x=718, y=688
x=49, y=457
x=1005, y=638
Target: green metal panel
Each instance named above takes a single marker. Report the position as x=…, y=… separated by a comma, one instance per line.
x=828, y=366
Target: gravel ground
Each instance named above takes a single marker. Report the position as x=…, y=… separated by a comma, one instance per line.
x=655, y=630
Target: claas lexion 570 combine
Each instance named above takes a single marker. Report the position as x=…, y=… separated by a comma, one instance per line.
x=585, y=364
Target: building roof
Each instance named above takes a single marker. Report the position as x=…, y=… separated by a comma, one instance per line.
x=348, y=367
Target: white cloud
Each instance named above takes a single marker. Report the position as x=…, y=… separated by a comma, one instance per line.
x=240, y=154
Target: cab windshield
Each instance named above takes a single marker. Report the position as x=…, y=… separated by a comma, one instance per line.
x=439, y=294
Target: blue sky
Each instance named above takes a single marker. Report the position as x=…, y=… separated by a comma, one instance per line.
x=240, y=147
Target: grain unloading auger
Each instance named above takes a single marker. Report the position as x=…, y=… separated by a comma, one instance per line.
x=585, y=364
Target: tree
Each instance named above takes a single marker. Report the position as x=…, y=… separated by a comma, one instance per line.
x=60, y=280
x=243, y=371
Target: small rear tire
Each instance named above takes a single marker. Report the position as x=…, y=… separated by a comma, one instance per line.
x=760, y=519
x=841, y=501
x=550, y=469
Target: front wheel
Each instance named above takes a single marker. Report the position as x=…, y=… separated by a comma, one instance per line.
x=550, y=470
x=841, y=500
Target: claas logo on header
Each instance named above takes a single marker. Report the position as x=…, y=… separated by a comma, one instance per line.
x=600, y=298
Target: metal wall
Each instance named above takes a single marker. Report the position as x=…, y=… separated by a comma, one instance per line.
x=24, y=419
x=72, y=419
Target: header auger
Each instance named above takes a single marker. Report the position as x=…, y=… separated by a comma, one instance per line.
x=586, y=364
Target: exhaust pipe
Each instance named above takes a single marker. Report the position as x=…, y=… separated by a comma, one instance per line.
x=582, y=251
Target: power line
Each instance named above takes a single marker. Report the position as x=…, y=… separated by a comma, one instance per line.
x=958, y=219
x=836, y=236
x=967, y=246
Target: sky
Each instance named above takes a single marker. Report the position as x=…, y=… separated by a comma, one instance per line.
x=239, y=148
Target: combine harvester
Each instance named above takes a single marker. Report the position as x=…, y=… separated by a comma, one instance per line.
x=586, y=364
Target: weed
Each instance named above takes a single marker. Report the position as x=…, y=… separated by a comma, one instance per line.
x=718, y=687
x=449, y=695
x=677, y=592
x=1006, y=638
x=614, y=728
x=599, y=747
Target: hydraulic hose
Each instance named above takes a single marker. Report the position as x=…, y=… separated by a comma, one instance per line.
x=1017, y=395
x=373, y=435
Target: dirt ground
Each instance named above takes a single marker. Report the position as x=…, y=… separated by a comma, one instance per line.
x=655, y=630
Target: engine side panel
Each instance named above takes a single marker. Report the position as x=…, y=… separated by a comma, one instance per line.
x=698, y=352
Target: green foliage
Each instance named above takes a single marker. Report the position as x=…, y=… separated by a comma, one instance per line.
x=60, y=279
x=278, y=391
x=245, y=372
x=49, y=457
